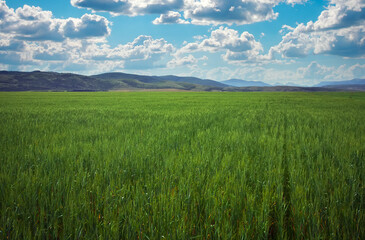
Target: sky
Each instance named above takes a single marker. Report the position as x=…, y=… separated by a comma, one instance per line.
x=299, y=42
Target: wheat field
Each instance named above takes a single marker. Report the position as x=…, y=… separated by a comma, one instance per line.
x=182, y=165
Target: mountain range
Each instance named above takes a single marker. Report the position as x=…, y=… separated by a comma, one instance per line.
x=339, y=83
x=53, y=81
x=156, y=79
x=243, y=83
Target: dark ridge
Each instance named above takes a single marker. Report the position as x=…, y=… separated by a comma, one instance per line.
x=53, y=81
x=194, y=80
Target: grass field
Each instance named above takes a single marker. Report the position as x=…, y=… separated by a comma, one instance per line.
x=153, y=165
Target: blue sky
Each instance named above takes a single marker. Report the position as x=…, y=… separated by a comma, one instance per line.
x=276, y=41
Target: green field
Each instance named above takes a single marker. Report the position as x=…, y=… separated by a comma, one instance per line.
x=154, y=165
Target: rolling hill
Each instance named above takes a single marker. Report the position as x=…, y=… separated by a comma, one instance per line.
x=194, y=80
x=243, y=83
x=349, y=87
x=155, y=79
x=53, y=81
x=119, y=76
x=45, y=81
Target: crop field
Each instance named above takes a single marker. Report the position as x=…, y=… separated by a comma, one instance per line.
x=182, y=165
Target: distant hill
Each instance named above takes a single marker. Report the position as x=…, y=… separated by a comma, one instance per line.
x=344, y=83
x=281, y=89
x=243, y=83
x=53, y=81
x=155, y=79
x=119, y=75
x=353, y=87
x=44, y=81
x=194, y=80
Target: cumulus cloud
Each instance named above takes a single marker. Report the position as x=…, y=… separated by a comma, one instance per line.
x=358, y=71
x=86, y=27
x=251, y=72
x=219, y=73
x=141, y=48
x=31, y=36
x=345, y=72
x=170, y=17
x=268, y=74
x=189, y=60
x=89, y=57
x=339, y=30
x=314, y=71
x=317, y=72
x=130, y=7
x=201, y=12
x=292, y=2
x=34, y=24
x=228, y=12
x=237, y=47
x=142, y=52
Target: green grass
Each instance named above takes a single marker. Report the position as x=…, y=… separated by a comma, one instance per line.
x=182, y=165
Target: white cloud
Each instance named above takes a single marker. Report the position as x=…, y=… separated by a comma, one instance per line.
x=308, y=75
x=236, y=47
x=292, y=2
x=267, y=74
x=339, y=30
x=199, y=37
x=285, y=28
x=219, y=73
x=228, y=12
x=130, y=7
x=170, y=17
x=250, y=72
x=201, y=12
x=31, y=36
x=358, y=71
x=314, y=71
x=34, y=24
x=142, y=48
x=87, y=27
x=144, y=51
x=346, y=73
x=189, y=60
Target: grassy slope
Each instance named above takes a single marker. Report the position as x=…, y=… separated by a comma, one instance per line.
x=51, y=81
x=182, y=165
x=44, y=81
